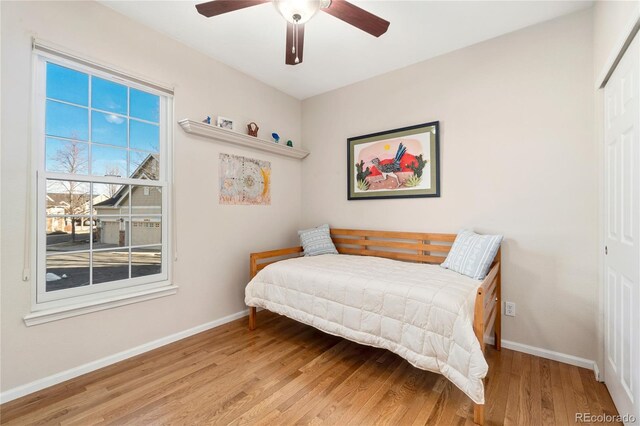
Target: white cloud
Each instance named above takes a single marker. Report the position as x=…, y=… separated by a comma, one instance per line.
x=114, y=119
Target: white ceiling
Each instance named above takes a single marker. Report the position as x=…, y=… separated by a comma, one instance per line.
x=336, y=54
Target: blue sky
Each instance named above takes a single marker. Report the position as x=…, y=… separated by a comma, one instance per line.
x=109, y=127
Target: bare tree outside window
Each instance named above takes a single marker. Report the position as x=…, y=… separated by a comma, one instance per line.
x=72, y=158
x=112, y=188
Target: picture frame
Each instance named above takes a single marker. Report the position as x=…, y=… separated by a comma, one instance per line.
x=225, y=123
x=398, y=163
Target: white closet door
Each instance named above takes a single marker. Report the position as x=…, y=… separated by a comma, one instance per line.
x=622, y=237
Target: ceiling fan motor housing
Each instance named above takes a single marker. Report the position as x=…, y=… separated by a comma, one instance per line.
x=298, y=11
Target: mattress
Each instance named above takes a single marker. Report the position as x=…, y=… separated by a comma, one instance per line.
x=421, y=312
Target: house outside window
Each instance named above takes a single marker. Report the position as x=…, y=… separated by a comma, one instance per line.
x=103, y=173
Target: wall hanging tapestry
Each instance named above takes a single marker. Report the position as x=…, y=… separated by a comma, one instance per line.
x=244, y=180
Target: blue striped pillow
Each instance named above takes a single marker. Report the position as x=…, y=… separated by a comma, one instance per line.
x=472, y=254
x=317, y=241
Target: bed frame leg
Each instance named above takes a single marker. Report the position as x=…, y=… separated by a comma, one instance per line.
x=478, y=414
x=498, y=333
x=252, y=318
x=498, y=323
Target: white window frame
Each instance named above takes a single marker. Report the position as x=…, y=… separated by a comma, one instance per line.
x=74, y=301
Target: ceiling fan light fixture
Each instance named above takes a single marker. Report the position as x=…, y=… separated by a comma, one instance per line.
x=298, y=11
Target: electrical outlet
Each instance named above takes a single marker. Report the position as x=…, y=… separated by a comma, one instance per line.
x=510, y=309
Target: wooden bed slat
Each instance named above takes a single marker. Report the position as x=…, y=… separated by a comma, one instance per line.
x=392, y=244
x=276, y=253
x=491, y=294
x=392, y=255
x=488, y=316
x=397, y=235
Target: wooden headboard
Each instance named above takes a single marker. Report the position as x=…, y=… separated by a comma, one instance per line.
x=408, y=246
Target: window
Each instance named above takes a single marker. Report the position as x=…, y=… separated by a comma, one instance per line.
x=102, y=183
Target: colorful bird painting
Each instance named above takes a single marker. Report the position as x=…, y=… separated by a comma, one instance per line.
x=390, y=169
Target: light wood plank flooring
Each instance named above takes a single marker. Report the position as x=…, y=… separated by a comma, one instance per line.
x=285, y=373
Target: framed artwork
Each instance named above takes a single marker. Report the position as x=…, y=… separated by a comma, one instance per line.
x=399, y=163
x=225, y=123
x=244, y=180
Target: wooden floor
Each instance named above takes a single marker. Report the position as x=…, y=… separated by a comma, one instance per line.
x=285, y=373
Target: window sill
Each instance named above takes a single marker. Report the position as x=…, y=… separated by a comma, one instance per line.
x=48, y=315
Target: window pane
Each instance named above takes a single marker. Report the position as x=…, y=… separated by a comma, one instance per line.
x=144, y=136
x=109, y=129
x=144, y=165
x=144, y=105
x=67, y=270
x=67, y=233
x=106, y=195
x=146, y=200
x=65, y=156
x=67, y=85
x=111, y=232
x=67, y=121
x=112, y=265
x=66, y=197
x=146, y=261
x=105, y=161
x=108, y=96
x=146, y=230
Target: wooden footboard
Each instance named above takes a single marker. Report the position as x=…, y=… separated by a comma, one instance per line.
x=412, y=247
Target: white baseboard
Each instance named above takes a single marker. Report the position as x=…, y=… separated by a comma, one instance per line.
x=54, y=379
x=548, y=354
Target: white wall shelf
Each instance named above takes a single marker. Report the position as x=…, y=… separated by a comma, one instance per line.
x=235, y=138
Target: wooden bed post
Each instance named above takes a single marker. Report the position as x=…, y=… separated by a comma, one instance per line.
x=497, y=335
x=478, y=414
x=478, y=328
x=252, y=318
x=252, y=310
x=487, y=313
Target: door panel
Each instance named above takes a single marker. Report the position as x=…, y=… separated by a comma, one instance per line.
x=622, y=214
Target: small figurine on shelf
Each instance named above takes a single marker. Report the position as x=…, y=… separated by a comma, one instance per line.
x=276, y=137
x=207, y=120
x=252, y=129
x=289, y=143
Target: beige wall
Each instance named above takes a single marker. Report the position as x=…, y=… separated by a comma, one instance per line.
x=518, y=157
x=214, y=240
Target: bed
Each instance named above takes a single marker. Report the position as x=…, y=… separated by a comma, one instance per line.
x=386, y=289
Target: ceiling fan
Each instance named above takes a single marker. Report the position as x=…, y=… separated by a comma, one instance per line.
x=297, y=12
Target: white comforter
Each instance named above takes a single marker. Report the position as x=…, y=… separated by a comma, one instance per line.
x=423, y=313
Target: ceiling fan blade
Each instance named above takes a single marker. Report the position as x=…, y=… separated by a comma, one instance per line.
x=290, y=53
x=359, y=18
x=218, y=7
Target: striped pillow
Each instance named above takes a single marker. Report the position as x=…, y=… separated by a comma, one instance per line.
x=317, y=241
x=472, y=254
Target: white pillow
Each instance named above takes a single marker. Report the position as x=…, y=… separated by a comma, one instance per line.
x=317, y=241
x=472, y=254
